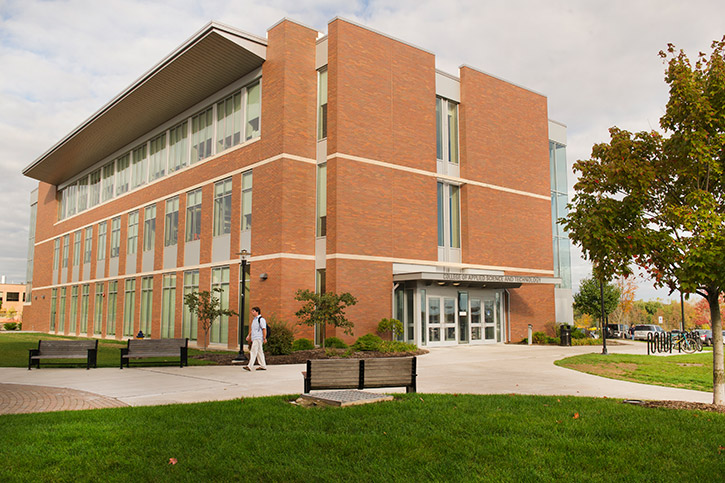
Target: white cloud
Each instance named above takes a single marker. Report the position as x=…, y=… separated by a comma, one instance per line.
x=596, y=61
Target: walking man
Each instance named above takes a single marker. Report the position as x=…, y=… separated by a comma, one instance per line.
x=256, y=337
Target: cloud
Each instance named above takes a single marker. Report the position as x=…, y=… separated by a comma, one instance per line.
x=596, y=62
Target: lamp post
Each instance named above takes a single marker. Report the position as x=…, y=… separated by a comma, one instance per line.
x=604, y=329
x=682, y=310
x=241, y=357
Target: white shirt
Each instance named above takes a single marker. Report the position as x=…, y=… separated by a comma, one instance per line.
x=257, y=325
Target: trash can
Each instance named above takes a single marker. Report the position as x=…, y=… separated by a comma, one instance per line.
x=565, y=335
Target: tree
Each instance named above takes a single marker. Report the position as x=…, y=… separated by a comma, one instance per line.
x=658, y=201
x=589, y=301
x=702, y=312
x=627, y=290
x=207, y=308
x=324, y=309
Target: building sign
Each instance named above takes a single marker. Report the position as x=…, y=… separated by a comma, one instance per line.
x=469, y=277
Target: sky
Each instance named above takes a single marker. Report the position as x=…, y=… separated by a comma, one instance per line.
x=596, y=61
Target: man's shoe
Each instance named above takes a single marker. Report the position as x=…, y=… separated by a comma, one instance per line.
x=261, y=368
x=246, y=368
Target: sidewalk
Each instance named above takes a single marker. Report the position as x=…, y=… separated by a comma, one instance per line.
x=489, y=369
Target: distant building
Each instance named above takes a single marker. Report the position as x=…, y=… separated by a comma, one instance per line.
x=343, y=162
x=12, y=296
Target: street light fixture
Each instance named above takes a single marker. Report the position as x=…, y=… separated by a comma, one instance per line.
x=241, y=357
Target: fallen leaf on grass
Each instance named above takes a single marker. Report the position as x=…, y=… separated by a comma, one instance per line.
x=421, y=399
x=172, y=461
x=720, y=449
x=576, y=415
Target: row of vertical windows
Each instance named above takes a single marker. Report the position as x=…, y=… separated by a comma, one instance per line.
x=447, y=130
x=218, y=332
x=449, y=215
x=169, y=151
x=221, y=224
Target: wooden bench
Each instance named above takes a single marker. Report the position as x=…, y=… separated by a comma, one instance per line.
x=64, y=349
x=145, y=348
x=361, y=373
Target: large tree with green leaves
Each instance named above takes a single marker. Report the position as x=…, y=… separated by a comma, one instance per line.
x=589, y=301
x=657, y=201
x=324, y=309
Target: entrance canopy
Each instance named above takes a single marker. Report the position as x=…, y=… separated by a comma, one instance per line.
x=486, y=281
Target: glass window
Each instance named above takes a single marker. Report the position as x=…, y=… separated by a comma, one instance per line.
x=171, y=222
x=223, y=207
x=82, y=194
x=73, y=323
x=455, y=216
x=129, y=303
x=202, y=127
x=56, y=253
x=168, y=306
x=66, y=248
x=447, y=130
x=61, y=312
x=107, y=182
x=111, y=311
x=139, y=166
x=157, y=157
x=98, y=309
x=449, y=215
x=62, y=203
x=88, y=245
x=53, y=300
x=85, y=296
x=101, y=241
x=254, y=106
x=193, y=215
x=115, y=236
x=95, y=189
x=123, y=173
x=229, y=122
x=77, y=248
x=147, y=297
x=70, y=195
x=322, y=200
x=322, y=104
x=132, y=238
x=149, y=228
x=247, y=201
x=178, y=146
x=189, y=319
x=441, y=215
x=219, y=329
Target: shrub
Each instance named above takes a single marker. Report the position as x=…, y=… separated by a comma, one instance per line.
x=280, y=342
x=368, y=342
x=391, y=327
x=539, y=338
x=303, y=345
x=335, y=343
x=397, y=346
x=10, y=325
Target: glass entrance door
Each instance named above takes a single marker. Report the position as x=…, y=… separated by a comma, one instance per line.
x=442, y=320
x=485, y=319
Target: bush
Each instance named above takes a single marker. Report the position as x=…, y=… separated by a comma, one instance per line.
x=368, y=342
x=335, y=343
x=280, y=342
x=397, y=346
x=303, y=345
x=390, y=327
x=10, y=326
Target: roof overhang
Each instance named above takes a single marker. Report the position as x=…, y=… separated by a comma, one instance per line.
x=213, y=58
x=473, y=280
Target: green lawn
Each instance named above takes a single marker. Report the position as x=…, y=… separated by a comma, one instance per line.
x=417, y=437
x=14, y=352
x=688, y=371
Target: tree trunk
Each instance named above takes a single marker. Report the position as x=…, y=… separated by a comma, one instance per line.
x=718, y=364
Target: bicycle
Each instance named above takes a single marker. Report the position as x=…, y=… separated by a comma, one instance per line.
x=687, y=343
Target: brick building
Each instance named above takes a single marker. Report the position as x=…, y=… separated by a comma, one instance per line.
x=342, y=162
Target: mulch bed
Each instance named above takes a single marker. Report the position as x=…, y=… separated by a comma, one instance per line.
x=688, y=406
x=300, y=357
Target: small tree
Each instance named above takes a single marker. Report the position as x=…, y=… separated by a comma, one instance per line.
x=588, y=300
x=207, y=308
x=325, y=308
x=391, y=326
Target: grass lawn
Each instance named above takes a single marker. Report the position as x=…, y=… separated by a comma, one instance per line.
x=688, y=371
x=14, y=352
x=417, y=437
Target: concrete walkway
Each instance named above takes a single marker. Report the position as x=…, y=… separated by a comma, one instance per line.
x=490, y=369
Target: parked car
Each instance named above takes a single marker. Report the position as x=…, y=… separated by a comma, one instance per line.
x=704, y=335
x=641, y=331
x=617, y=331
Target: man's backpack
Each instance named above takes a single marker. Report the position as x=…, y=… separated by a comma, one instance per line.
x=267, y=326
